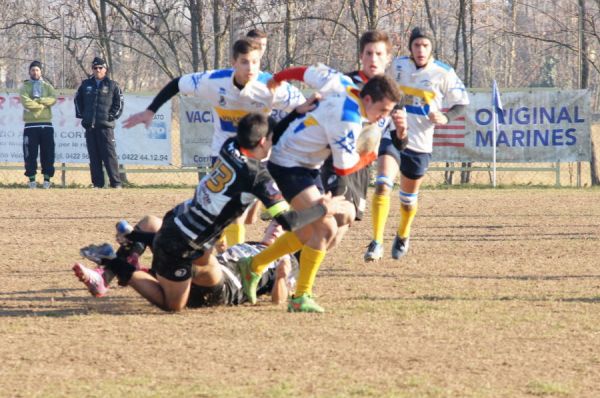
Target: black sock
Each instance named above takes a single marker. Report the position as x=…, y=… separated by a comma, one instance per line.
x=121, y=268
x=143, y=237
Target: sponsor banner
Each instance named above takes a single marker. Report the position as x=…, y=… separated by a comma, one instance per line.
x=138, y=145
x=535, y=126
x=195, y=131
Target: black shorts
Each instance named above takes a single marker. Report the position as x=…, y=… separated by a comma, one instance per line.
x=226, y=292
x=357, y=185
x=293, y=180
x=172, y=255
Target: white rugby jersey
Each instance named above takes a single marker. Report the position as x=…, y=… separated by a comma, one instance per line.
x=230, y=104
x=332, y=128
x=425, y=90
x=327, y=80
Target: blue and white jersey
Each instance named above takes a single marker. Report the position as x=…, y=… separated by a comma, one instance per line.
x=332, y=128
x=230, y=104
x=425, y=90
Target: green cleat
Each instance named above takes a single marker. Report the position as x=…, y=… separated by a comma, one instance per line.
x=249, y=279
x=304, y=303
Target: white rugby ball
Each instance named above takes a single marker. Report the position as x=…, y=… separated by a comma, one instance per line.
x=368, y=139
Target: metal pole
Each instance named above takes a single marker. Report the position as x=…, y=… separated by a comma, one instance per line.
x=63, y=173
x=579, y=69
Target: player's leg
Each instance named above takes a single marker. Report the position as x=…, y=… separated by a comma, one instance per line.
x=413, y=168
x=388, y=164
x=318, y=237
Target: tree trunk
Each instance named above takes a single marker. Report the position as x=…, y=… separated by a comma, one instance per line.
x=290, y=37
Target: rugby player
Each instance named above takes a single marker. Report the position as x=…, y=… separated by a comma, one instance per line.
x=375, y=55
x=211, y=285
x=232, y=93
x=425, y=83
x=332, y=128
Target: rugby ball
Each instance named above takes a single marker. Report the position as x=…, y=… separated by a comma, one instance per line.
x=368, y=139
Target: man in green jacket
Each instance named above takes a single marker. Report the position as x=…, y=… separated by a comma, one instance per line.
x=37, y=97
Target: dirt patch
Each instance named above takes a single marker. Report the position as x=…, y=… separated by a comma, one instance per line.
x=499, y=297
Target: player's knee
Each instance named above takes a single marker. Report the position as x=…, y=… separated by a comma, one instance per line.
x=327, y=229
x=383, y=185
x=408, y=200
x=347, y=216
x=149, y=224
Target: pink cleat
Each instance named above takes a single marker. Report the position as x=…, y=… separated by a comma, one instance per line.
x=92, y=279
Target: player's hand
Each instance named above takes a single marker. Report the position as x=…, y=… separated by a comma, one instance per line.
x=436, y=117
x=310, y=104
x=398, y=117
x=335, y=204
x=141, y=117
x=273, y=84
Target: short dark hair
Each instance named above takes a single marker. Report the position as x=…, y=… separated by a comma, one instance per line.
x=256, y=34
x=252, y=128
x=380, y=87
x=375, y=36
x=244, y=46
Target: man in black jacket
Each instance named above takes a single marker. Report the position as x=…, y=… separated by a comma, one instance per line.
x=99, y=102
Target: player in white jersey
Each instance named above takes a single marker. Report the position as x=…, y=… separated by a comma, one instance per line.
x=427, y=86
x=232, y=93
x=332, y=128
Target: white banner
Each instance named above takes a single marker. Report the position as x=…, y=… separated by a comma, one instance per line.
x=539, y=126
x=134, y=146
x=196, y=131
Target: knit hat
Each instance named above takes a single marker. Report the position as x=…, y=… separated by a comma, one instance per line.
x=35, y=63
x=418, y=33
x=98, y=62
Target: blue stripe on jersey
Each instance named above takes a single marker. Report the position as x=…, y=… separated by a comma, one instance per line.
x=264, y=77
x=351, y=111
x=417, y=110
x=404, y=57
x=442, y=65
x=218, y=74
x=228, y=126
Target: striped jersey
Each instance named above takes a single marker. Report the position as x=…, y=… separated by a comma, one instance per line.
x=425, y=90
x=228, y=261
x=223, y=194
x=230, y=104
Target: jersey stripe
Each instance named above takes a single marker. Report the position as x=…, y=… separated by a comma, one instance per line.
x=221, y=73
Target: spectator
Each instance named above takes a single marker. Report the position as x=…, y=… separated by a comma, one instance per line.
x=98, y=103
x=37, y=97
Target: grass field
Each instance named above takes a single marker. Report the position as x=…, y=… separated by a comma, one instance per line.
x=499, y=297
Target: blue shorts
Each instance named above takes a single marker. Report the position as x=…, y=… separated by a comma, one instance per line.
x=387, y=148
x=414, y=165
x=293, y=180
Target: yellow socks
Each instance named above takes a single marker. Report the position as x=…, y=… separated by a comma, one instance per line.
x=380, y=211
x=285, y=244
x=310, y=261
x=406, y=218
x=235, y=233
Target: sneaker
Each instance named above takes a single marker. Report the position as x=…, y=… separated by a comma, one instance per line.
x=123, y=229
x=91, y=278
x=98, y=253
x=46, y=185
x=400, y=247
x=374, y=251
x=32, y=185
x=249, y=279
x=304, y=303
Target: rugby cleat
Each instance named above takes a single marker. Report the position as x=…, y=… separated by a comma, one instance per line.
x=374, y=251
x=91, y=278
x=249, y=279
x=304, y=303
x=123, y=229
x=46, y=184
x=400, y=247
x=98, y=253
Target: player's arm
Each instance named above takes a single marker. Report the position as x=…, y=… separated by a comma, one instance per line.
x=455, y=111
x=455, y=95
x=146, y=116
